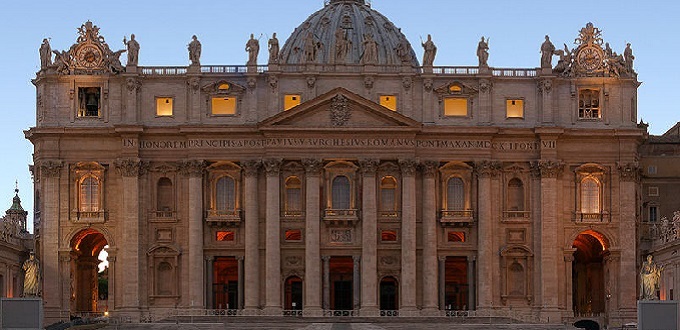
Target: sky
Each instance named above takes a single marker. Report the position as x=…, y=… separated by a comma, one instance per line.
x=516, y=29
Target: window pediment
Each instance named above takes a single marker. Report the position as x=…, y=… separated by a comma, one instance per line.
x=223, y=87
x=456, y=89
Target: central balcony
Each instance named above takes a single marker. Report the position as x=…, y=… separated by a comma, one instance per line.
x=341, y=217
x=224, y=218
x=601, y=217
x=88, y=216
x=457, y=218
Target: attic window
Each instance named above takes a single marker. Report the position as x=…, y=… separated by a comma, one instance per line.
x=222, y=105
x=223, y=87
x=164, y=106
x=389, y=101
x=290, y=101
x=455, y=89
x=455, y=107
x=514, y=108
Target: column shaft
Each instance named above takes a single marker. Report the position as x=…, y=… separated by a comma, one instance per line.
x=273, y=247
x=408, y=235
x=356, y=286
x=369, y=238
x=485, y=237
x=312, y=290
x=326, y=282
x=252, y=242
x=50, y=219
x=195, y=253
x=430, y=285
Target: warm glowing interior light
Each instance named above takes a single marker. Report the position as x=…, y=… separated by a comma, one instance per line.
x=290, y=101
x=514, y=108
x=454, y=106
x=455, y=89
x=389, y=101
x=223, y=87
x=223, y=105
x=164, y=106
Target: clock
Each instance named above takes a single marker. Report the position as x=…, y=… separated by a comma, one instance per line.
x=590, y=58
x=89, y=56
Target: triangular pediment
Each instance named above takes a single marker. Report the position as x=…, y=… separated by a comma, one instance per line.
x=339, y=109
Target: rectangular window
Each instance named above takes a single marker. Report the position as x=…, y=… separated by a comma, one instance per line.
x=293, y=235
x=589, y=104
x=514, y=108
x=651, y=169
x=225, y=236
x=653, y=214
x=389, y=101
x=455, y=106
x=653, y=191
x=223, y=105
x=388, y=236
x=164, y=106
x=290, y=101
x=89, y=101
x=456, y=236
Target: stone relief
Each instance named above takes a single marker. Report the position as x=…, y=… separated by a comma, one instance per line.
x=311, y=81
x=341, y=235
x=370, y=55
x=340, y=111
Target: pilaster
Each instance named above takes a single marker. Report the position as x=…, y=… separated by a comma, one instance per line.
x=194, y=170
x=50, y=172
x=485, y=256
x=629, y=176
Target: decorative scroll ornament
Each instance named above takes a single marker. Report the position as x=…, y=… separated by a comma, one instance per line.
x=251, y=167
x=90, y=55
x=131, y=167
x=487, y=169
x=50, y=169
x=193, y=168
x=312, y=165
x=272, y=165
x=547, y=168
x=340, y=110
x=368, y=165
x=408, y=166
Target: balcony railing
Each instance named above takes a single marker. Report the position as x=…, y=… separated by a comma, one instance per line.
x=89, y=216
x=341, y=216
x=162, y=216
x=456, y=217
x=516, y=215
x=224, y=217
x=389, y=215
x=592, y=217
x=293, y=215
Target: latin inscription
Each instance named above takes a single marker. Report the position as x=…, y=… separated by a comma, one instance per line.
x=510, y=146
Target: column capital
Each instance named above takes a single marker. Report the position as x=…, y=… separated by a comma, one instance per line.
x=272, y=165
x=487, y=168
x=192, y=168
x=629, y=172
x=312, y=165
x=131, y=167
x=441, y=258
x=50, y=168
x=368, y=166
x=356, y=259
x=239, y=258
x=251, y=167
x=547, y=168
x=430, y=168
x=568, y=257
x=408, y=166
x=326, y=258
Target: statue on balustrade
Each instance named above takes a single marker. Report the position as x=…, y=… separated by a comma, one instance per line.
x=132, y=50
x=31, y=268
x=650, y=276
x=194, y=48
x=547, y=52
x=45, y=54
x=483, y=53
x=274, y=49
x=430, y=51
x=628, y=58
x=253, y=49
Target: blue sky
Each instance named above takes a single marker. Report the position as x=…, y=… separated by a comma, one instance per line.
x=163, y=29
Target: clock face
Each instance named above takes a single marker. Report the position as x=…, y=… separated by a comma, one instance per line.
x=89, y=56
x=590, y=58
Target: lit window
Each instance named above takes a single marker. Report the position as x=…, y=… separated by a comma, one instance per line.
x=389, y=101
x=225, y=236
x=653, y=191
x=164, y=106
x=388, y=236
x=89, y=194
x=225, y=194
x=455, y=194
x=89, y=101
x=291, y=101
x=514, y=108
x=455, y=89
x=224, y=105
x=224, y=87
x=456, y=236
x=653, y=214
x=341, y=193
x=651, y=169
x=589, y=104
x=590, y=196
x=293, y=235
x=455, y=106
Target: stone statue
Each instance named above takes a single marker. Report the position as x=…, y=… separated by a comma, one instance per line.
x=547, y=52
x=194, y=51
x=483, y=53
x=253, y=49
x=274, y=49
x=342, y=45
x=311, y=46
x=430, y=51
x=112, y=60
x=62, y=60
x=132, y=50
x=31, y=268
x=608, y=50
x=45, y=54
x=564, y=63
x=404, y=51
x=370, y=50
x=650, y=276
x=628, y=58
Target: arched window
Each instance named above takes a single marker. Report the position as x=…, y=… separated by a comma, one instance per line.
x=165, y=279
x=515, y=195
x=225, y=194
x=590, y=195
x=341, y=193
x=164, y=195
x=455, y=194
x=89, y=194
x=388, y=193
x=293, y=194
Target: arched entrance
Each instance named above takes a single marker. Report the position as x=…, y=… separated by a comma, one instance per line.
x=89, y=283
x=293, y=291
x=588, y=287
x=389, y=294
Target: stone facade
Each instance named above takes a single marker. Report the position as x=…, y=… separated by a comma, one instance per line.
x=353, y=187
x=15, y=244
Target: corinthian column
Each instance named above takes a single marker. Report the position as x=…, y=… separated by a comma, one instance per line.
x=369, y=239
x=312, y=253
x=194, y=170
x=430, y=286
x=50, y=172
x=252, y=241
x=130, y=169
x=408, y=235
x=485, y=255
x=629, y=176
x=272, y=243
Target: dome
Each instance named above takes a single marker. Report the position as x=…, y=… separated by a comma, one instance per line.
x=348, y=32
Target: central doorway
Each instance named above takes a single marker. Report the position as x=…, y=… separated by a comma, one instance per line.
x=588, y=274
x=456, y=283
x=225, y=283
x=341, y=276
x=389, y=297
x=293, y=292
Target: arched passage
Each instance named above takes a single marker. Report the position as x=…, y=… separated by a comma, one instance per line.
x=588, y=273
x=88, y=284
x=389, y=294
x=293, y=292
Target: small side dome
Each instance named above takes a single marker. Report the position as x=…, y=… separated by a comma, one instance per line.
x=348, y=32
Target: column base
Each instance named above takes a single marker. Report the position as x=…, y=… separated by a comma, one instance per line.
x=369, y=311
x=252, y=311
x=312, y=312
x=272, y=311
x=429, y=311
x=551, y=315
x=131, y=314
x=409, y=311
